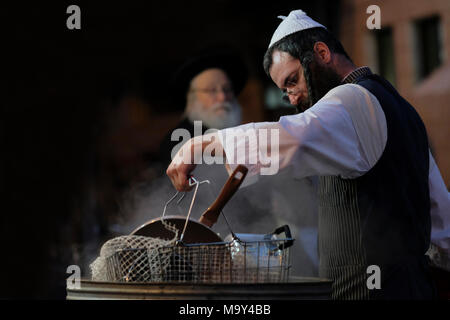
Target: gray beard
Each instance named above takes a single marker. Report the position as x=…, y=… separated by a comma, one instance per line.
x=231, y=118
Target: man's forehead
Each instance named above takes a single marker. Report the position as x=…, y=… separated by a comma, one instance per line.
x=282, y=66
x=281, y=57
x=211, y=74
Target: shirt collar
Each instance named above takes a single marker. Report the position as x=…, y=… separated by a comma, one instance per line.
x=355, y=74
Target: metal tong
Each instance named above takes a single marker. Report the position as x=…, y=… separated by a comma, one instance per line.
x=210, y=216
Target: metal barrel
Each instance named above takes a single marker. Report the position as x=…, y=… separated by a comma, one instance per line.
x=297, y=288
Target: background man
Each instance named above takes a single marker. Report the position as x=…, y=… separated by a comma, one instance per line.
x=208, y=85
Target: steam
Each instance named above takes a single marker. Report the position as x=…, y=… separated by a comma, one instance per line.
x=258, y=208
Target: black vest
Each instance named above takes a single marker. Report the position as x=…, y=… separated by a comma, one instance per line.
x=383, y=217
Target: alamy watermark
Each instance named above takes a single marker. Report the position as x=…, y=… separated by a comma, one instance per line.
x=74, y=20
x=374, y=280
x=73, y=281
x=374, y=20
x=256, y=147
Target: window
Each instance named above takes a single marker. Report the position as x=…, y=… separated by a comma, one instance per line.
x=385, y=54
x=428, y=46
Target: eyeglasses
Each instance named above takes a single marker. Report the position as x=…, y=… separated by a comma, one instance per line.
x=228, y=91
x=291, y=82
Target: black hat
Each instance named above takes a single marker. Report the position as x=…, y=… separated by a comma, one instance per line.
x=222, y=58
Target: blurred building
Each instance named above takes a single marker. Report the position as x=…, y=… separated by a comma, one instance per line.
x=412, y=51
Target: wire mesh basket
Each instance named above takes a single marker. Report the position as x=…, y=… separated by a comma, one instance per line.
x=135, y=258
x=228, y=262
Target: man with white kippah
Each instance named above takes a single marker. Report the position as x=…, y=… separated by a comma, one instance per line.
x=382, y=199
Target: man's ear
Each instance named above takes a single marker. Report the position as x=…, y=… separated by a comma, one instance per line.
x=322, y=52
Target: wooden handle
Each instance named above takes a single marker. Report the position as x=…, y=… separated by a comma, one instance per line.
x=210, y=216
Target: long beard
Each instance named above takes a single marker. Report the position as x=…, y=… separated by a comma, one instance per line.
x=323, y=79
x=219, y=116
x=319, y=81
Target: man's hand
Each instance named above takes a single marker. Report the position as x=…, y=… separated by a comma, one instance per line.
x=179, y=175
x=181, y=167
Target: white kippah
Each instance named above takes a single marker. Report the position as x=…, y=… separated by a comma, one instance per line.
x=297, y=20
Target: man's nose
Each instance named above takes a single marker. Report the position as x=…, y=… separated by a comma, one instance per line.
x=296, y=96
x=293, y=99
x=221, y=95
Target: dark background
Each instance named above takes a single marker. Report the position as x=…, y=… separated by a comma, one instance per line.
x=59, y=86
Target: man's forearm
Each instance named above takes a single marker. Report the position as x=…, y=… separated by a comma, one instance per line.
x=191, y=154
x=204, y=146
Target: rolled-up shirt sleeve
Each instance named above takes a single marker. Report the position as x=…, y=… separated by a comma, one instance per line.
x=439, y=208
x=323, y=140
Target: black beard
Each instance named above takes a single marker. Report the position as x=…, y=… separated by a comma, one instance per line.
x=304, y=105
x=319, y=81
x=323, y=80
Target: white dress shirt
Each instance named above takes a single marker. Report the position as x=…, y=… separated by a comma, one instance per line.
x=344, y=134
